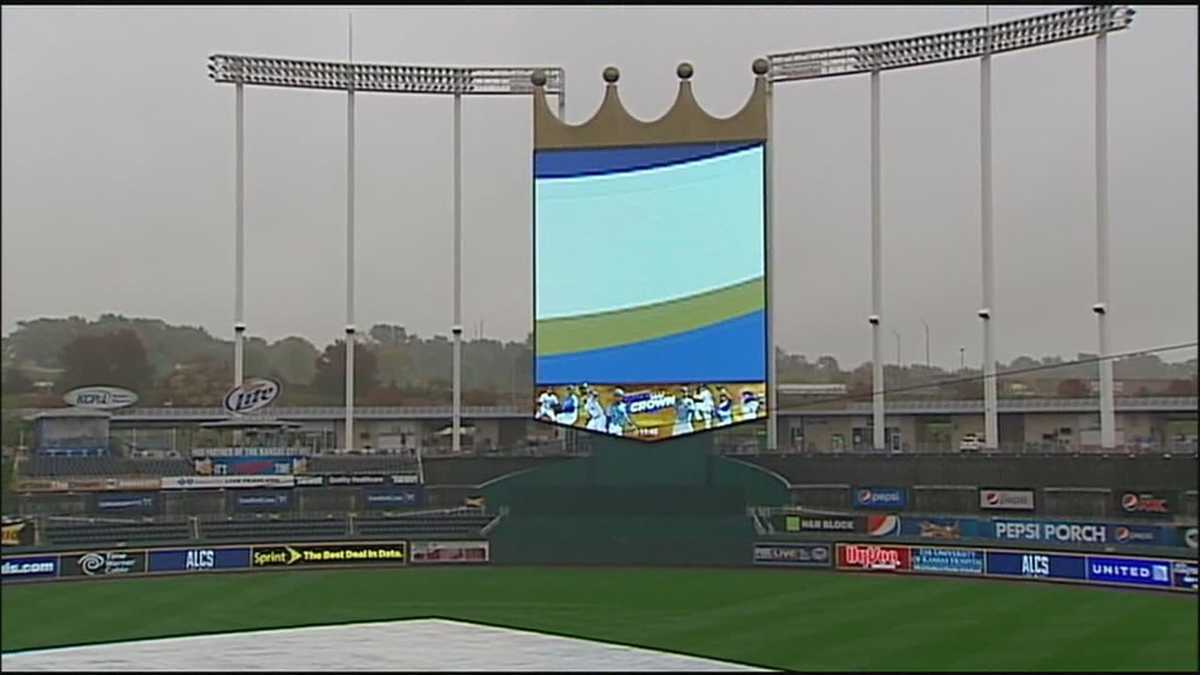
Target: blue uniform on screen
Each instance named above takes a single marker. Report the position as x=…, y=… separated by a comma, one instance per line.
x=569, y=411
x=618, y=415
x=724, y=409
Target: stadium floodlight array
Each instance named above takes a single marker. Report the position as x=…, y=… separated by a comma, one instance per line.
x=980, y=42
x=351, y=77
x=969, y=43
x=380, y=78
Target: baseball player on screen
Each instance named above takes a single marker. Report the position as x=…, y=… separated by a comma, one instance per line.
x=568, y=413
x=618, y=414
x=595, y=411
x=547, y=403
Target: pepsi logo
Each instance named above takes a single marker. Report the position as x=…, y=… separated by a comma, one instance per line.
x=864, y=496
x=1123, y=534
x=883, y=526
x=1129, y=501
x=992, y=498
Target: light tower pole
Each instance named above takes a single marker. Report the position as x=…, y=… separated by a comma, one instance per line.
x=355, y=78
x=980, y=42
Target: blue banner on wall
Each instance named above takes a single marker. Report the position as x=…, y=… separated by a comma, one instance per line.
x=395, y=498
x=1183, y=574
x=126, y=503
x=199, y=559
x=947, y=560
x=1053, y=531
x=267, y=500
x=948, y=529
x=1134, y=571
x=881, y=497
x=1037, y=565
x=1145, y=535
x=29, y=567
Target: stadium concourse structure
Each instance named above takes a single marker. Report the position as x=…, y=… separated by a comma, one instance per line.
x=1163, y=424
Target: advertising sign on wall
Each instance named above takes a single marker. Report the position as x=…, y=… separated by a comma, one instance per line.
x=199, y=559
x=315, y=555
x=881, y=497
x=1145, y=535
x=1017, y=500
x=393, y=498
x=266, y=500
x=357, y=479
x=29, y=567
x=1050, y=531
x=874, y=558
x=196, y=482
x=253, y=394
x=883, y=526
x=1036, y=564
x=793, y=555
x=1190, y=536
x=104, y=563
x=451, y=552
x=1143, y=503
x=126, y=503
x=1183, y=574
x=948, y=529
x=947, y=560
x=820, y=524
x=1133, y=571
x=100, y=397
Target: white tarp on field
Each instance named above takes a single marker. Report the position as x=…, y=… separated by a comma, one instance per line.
x=416, y=645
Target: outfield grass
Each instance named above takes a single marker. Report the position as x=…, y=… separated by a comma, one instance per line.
x=776, y=618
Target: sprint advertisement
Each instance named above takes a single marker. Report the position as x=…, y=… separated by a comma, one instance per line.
x=310, y=555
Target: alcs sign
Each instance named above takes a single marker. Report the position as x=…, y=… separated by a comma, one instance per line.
x=100, y=397
x=253, y=394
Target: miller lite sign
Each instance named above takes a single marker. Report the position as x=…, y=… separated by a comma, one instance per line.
x=253, y=394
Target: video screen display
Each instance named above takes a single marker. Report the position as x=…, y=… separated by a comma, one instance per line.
x=650, y=288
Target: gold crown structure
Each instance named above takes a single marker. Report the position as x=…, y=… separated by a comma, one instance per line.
x=685, y=122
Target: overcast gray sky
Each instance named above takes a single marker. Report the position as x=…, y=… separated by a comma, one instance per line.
x=118, y=171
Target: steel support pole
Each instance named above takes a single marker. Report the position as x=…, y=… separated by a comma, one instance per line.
x=772, y=384
x=876, y=274
x=350, y=329
x=239, y=299
x=990, y=421
x=1108, y=434
x=457, y=328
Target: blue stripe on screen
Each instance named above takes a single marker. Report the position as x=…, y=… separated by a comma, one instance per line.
x=600, y=161
x=729, y=351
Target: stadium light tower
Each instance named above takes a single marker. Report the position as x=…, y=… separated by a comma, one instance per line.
x=457, y=81
x=979, y=42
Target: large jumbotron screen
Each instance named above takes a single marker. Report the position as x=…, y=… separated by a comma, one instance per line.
x=650, y=288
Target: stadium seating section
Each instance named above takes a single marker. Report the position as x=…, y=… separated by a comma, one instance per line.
x=38, y=467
